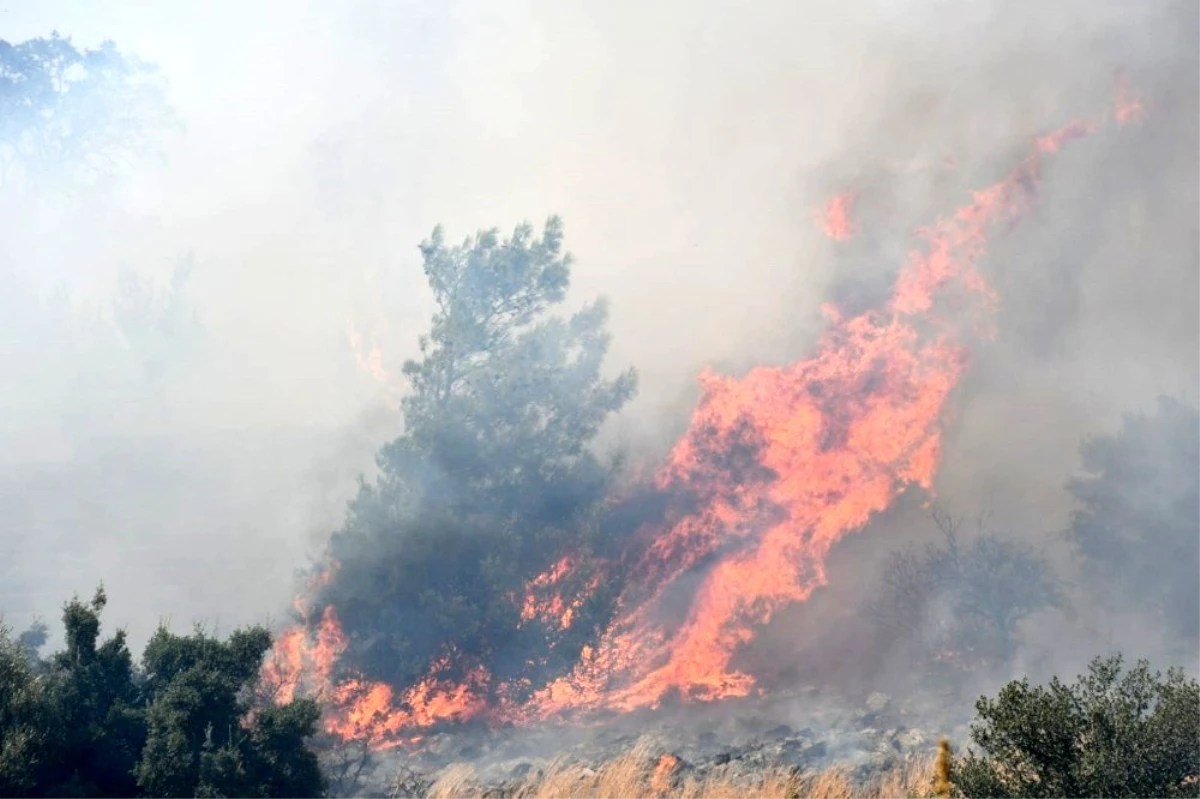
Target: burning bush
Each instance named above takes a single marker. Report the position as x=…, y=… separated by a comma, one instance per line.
x=493, y=555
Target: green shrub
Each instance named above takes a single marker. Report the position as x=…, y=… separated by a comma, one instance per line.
x=1111, y=733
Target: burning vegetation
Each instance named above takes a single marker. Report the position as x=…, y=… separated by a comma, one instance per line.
x=498, y=573
x=505, y=592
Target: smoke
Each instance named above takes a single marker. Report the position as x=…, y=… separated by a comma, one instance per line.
x=687, y=147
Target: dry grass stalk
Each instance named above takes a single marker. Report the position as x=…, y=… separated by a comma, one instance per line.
x=456, y=781
x=644, y=771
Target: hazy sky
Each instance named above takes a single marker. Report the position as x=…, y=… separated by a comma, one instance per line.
x=322, y=143
x=325, y=140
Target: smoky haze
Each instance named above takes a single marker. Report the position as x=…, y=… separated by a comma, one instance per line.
x=687, y=147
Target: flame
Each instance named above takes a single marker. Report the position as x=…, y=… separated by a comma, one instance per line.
x=360, y=709
x=544, y=601
x=370, y=361
x=834, y=217
x=370, y=710
x=664, y=771
x=1127, y=106
x=840, y=436
x=777, y=467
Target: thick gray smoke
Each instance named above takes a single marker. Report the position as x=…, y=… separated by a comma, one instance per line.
x=687, y=146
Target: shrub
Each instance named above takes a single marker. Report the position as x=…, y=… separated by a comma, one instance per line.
x=1111, y=733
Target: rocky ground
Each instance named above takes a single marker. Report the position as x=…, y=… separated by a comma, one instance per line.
x=803, y=729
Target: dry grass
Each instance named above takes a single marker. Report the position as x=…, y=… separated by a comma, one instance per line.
x=646, y=772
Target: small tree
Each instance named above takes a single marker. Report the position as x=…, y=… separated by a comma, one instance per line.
x=959, y=603
x=493, y=477
x=1135, y=733
x=505, y=399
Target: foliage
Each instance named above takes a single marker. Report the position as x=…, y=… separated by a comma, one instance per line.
x=1137, y=526
x=87, y=722
x=1111, y=733
x=493, y=478
x=961, y=604
x=21, y=718
x=75, y=114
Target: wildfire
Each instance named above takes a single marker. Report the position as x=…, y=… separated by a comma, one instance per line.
x=1127, y=106
x=664, y=772
x=370, y=361
x=545, y=601
x=834, y=218
x=778, y=465
x=370, y=710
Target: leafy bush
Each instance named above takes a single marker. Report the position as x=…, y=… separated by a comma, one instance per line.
x=87, y=722
x=1111, y=733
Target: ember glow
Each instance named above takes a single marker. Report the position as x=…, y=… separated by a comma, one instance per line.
x=780, y=465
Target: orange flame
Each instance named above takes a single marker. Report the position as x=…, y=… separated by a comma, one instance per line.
x=1127, y=106
x=664, y=772
x=841, y=435
x=360, y=709
x=370, y=360
x=543, y=602
x=779, y=465
x=370, y=710
x=834, y=217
